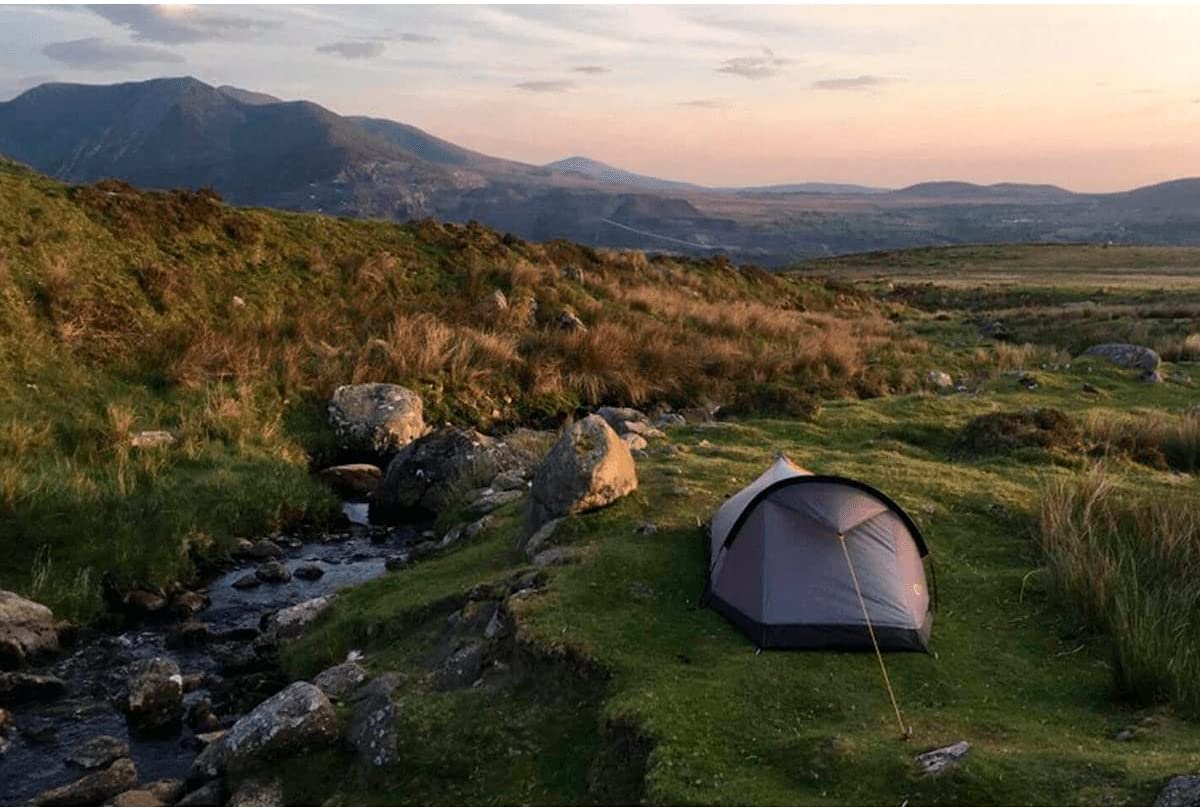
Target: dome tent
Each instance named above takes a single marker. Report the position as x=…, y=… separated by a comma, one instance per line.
x=801, y=561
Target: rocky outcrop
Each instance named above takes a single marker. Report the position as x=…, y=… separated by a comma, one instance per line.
x=375, y=419
x=352, y=480
x=1127, y=355
x=26, y=630
x=300, y=718
x=155, y=698
x=95, y=787
x=1180, y=791
x=421, y=478
x=588, y=468
x=372, y=730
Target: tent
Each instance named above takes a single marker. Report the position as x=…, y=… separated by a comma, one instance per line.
x=808, y=561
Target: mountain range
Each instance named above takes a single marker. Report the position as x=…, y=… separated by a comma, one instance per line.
x=256, y=149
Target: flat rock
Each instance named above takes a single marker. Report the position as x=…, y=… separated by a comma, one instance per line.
x=341, y=681
x=246, y=581
x=99, y=752
x=1127, y=355
x=938, y=760
x=151, y=438
x=540, y=539
x=372, y=730
x=136, y=798
x=94, y=788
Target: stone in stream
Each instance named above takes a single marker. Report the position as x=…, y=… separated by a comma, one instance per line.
x=210, y=794
x=186, y=604
x=309, y=572
x=26, y=630
x=94, y=788
x=246, y=581
x=201, y=718
x=155, y=699
x=352, y=480
x=145, y=601
x=167, y=791
x=99, y=752
x=136, y=798
x=20, y=687
x=273, y=571
x=188, y=635
x=298, y=719
x=264, y=549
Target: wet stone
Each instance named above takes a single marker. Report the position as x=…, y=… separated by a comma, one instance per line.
x=98, y=752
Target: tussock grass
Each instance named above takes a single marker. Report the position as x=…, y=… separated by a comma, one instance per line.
x=1129, y=564
x=1156, y=438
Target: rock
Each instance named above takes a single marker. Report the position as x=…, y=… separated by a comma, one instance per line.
x=646, y=528
x=210, y=737
x=939, y=380
x=558, y=555
x=151, y=438
x=258, y=791
x=508, y=480
x=155, y=698
x=995, y=330
x=1127, y=355
x=396, y=562
x=309, y=572
x=352, y=480
x=145, y=601
x=246, y=581
x=462, y=667
x=167, y=791
x=589, y=467
x=341, y=681
x=540, y=539
x=20, y=687
x=188, y=635
x=634, y=441
x=669, y=420
x=136, y=798
x=27, y=630
x=201, y=718
x=568, y=321
x=7, y=721
x=422, y=476
x=98, y=752
x=644, y=430
x=95, y=787
x=298, y=719
x=372, y=730
x=264, y=550
x=291, y=621
x=940, y=759
x=375, y=419
x=41, y=732
x=210, y=794
x=618, y=417
x=273, y=571
x=491, y=501
x=187, y=604
x=1180, y=791
x=573, y=273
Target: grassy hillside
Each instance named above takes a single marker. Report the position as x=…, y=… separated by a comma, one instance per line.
x=122, y=311
x=643, y=695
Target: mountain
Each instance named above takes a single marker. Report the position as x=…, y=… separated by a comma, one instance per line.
x=256, y=149
x=602, y=172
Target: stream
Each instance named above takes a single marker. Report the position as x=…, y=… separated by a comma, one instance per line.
x=224, y=665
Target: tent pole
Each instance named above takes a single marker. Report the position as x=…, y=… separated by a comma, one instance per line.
x=905, y=731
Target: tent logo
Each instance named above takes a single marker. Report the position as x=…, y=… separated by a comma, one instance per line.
x=917, y=589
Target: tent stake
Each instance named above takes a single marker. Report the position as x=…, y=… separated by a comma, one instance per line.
x=905, y=731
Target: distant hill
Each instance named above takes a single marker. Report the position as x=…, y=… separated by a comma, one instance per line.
x=248, y=96
x=595, y=170
x=957, y=190
x=812, y=188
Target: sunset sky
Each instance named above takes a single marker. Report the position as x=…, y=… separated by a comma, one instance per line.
x=1094, y=98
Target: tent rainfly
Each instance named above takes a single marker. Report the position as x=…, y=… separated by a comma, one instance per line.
x=807, y=561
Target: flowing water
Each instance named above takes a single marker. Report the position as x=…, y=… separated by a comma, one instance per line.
x=95, y=668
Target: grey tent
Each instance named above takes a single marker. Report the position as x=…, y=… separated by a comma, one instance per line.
x=785, y=553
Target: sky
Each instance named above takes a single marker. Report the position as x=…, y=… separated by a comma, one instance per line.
x=1093, y=98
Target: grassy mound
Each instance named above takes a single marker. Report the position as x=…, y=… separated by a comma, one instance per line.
x=1003, y=432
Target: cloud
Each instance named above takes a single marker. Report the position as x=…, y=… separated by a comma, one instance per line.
x=351, y=49
x=99, y=54
x=591, y=70
x=851, y=82
x=705, y=103
x=547, y=86
x=754, y=67
x=419, y=39
x=172, y=25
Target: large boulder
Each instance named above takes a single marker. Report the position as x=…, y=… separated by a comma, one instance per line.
x=1180, y=791
x=290, y=622
x=300, y=718
x=375, y=419
x=155, y=698
x=26, y=630
x=422, y=476
x=589, y=467
x=341, y=681
x=1127, y=355
x=95, y=787
x=372, y=730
